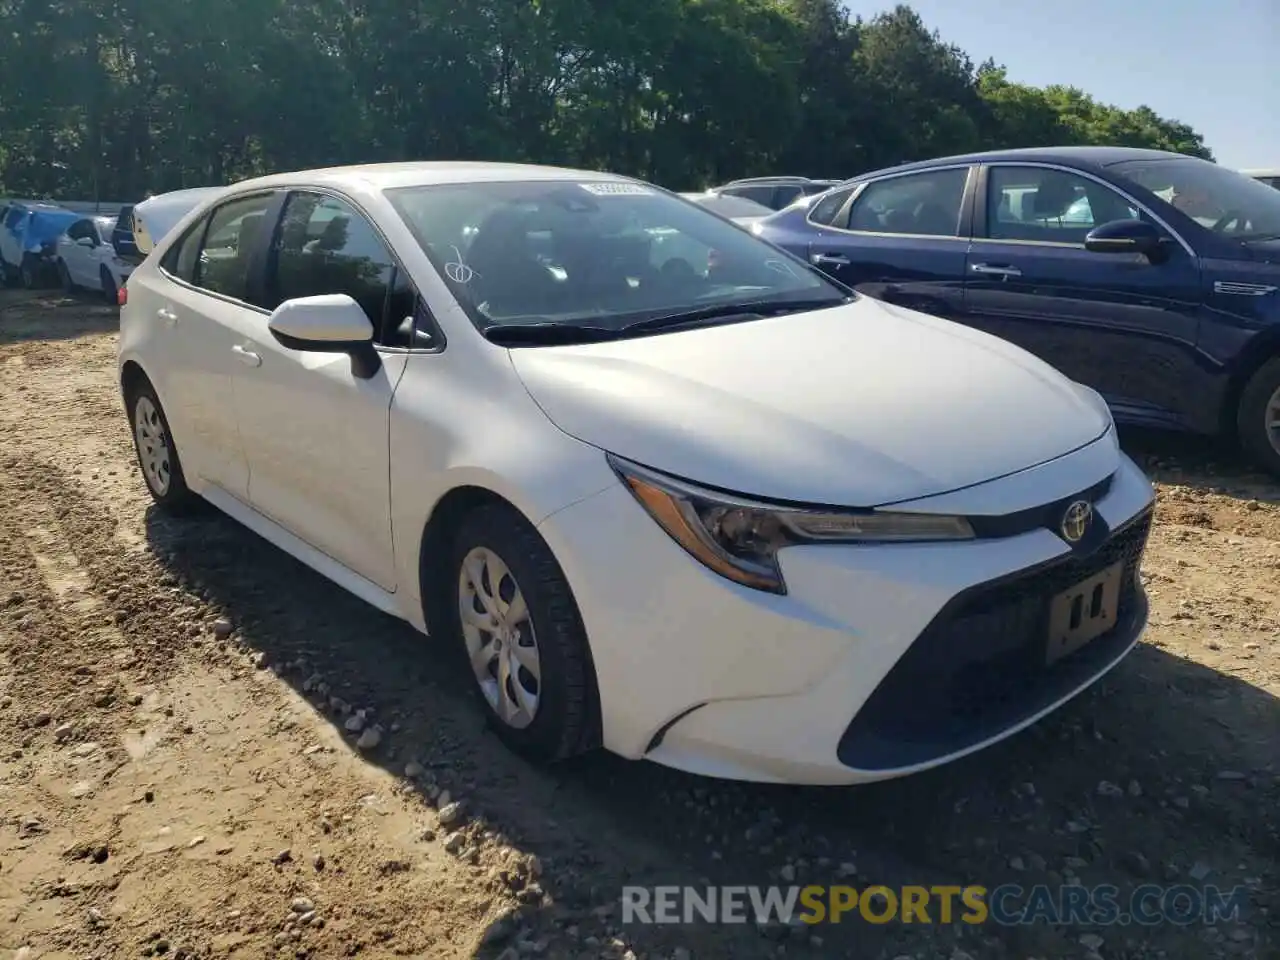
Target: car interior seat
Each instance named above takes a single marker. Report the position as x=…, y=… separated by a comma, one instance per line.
x=501, y=268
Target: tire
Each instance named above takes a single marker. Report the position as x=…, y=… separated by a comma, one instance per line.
x=1258, y=417
x=157, y=455
x=109, y=289
x=64, y=277
x=564, y=721
x=28, y=274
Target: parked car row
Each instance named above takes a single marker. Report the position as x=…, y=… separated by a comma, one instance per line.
x=44, y=243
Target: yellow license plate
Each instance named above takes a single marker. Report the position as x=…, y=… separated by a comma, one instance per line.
x=1084, y=612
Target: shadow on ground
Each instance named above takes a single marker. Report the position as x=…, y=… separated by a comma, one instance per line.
x=27, y=315
x=1212, y=465
x=1187, y=755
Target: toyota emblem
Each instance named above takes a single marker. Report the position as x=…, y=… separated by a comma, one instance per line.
x=1075, y=521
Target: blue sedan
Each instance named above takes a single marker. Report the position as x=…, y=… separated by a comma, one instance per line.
x=1152, y=277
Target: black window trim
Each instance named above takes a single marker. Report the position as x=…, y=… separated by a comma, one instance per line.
x=420, y=302
x=964, y=222
x=853, y=189
x=980, y=209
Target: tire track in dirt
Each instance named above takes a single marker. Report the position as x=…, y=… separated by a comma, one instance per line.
x=99, y=638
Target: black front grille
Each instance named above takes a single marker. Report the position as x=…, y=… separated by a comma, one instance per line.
x=979, y=667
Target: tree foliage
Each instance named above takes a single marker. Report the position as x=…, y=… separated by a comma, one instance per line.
x=113, y=98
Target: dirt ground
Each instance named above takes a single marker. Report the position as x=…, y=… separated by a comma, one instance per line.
x=186, y=768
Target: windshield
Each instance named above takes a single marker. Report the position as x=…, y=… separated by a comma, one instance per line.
x=1219, y=199
x=730, y=206
x=598, y=253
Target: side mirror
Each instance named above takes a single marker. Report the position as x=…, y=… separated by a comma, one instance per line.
x=86, y=242
x=331, y=323
x=1126, y=236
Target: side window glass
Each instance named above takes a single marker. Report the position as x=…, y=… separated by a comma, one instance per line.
x=762, y=195
x=234, y=228
x=825, y=210
x=785, y=196
x=1030, y=203
x=180, y=260
x=327, y=246
x=920, y=204
x=78, y=230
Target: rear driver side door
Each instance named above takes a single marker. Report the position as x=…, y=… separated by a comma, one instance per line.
x=201, y=312
x=901, y=239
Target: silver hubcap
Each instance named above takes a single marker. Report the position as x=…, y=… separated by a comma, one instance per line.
x=499, y=636
x=1271, y=421
x=153, y=444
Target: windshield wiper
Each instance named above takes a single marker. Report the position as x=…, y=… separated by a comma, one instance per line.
x=550, y=333
x=546, y=333
x=730, y=311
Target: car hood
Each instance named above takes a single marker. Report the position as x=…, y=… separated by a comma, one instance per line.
x=859, y=405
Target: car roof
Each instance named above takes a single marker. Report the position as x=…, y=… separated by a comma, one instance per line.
x=383, y=176
x=1085, y=157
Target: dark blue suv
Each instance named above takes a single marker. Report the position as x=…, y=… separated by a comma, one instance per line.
x=1150, y=276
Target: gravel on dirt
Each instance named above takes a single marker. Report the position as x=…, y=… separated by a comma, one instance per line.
x=206, y=750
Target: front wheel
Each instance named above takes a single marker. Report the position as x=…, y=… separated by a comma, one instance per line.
x=522, y=635
x=29, y=274
x=157, y=456
x=1258, y=417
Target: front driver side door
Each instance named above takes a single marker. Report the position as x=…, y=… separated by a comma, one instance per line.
x=901, y=239
x=1116, y=322
x=316, y=435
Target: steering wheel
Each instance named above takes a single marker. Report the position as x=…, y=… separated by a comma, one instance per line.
x=1231, y=216
x=678, y=271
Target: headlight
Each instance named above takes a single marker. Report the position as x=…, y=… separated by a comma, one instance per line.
x=739, y=539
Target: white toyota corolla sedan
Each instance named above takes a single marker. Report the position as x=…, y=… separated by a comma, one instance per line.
x=670, y=491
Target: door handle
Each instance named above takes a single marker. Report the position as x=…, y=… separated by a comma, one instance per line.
x=246, y=356
x=987, y=269
x=168, y=316
x=831, y=259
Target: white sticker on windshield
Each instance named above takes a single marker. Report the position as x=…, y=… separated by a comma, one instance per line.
x=617, y=189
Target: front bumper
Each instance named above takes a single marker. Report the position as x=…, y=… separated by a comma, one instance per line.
x=879, y=662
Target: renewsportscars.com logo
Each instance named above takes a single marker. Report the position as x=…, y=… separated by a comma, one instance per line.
x=1006, y=905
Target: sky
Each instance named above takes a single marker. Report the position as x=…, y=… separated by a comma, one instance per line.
x=1213, y=65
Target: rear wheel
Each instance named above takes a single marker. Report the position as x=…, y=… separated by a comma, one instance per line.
x=64, y=277
x=1258, y=417
x=157, y=456
x=29, y=273
x=518, y=624
x=109, y=287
